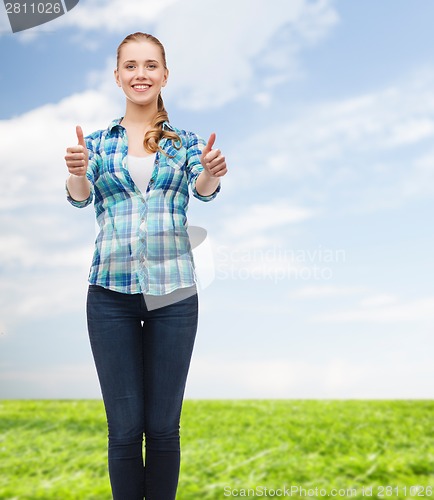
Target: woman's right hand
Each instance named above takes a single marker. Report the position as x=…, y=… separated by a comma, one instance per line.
x=77, y=157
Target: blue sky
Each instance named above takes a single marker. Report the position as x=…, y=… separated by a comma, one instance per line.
x=316, y=276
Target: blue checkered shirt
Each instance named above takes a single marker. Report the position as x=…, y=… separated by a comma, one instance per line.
x=142, y=245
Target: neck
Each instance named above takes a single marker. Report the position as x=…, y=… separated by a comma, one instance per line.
x=141, y=116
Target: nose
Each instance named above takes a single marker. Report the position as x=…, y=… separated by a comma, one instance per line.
x=141, y=72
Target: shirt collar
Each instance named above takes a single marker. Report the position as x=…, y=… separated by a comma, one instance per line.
x=116, y=122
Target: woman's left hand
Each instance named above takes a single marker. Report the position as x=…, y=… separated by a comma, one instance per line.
x=212, y=160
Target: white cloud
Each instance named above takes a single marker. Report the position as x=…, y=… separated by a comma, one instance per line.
x=365, y=152
x=420, y=181
x=109, y=16
x=291, y=378
x=34, y=294
x=37, y=142
x=116, y=16
x=324, y=291
x=263, y=98
x=5, y=27
x=384, y=309
x=55, y=381
x=223, y=50
x=383, y=299
x=258, y=217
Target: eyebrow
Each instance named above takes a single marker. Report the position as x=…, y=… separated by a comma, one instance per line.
x=134, y=61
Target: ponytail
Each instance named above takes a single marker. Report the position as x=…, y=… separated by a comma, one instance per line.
x=154, y=135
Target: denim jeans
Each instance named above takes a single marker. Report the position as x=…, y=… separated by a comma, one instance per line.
x=142, y=359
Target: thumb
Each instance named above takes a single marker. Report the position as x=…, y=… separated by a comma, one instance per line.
x=80, y=137
x=210, y=143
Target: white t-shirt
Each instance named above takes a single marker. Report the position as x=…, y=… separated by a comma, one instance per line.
x=140, y=169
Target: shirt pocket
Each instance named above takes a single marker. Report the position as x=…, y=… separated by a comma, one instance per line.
x=174, y=158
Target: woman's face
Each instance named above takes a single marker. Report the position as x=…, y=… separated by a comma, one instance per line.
x=141, y=73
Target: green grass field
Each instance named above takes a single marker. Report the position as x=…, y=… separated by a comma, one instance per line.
x=230, y=449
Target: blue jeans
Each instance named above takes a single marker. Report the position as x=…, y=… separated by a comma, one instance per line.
x=142, y=359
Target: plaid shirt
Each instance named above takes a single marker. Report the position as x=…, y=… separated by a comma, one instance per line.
x=143, y=244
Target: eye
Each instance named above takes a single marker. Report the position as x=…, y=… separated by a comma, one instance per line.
x=152, y=66
x=130, y=66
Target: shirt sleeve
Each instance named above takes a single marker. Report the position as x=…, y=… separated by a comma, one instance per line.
x=90, y=174
x=195, y=147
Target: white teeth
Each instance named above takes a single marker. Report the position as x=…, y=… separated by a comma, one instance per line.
x=141, y=87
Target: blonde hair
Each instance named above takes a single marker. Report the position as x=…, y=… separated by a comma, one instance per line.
x=156, y=132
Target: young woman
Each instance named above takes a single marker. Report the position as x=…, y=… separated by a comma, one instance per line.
x=142, y=303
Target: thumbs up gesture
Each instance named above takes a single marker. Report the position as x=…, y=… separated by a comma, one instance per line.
x=77, y=157
x=212, y=160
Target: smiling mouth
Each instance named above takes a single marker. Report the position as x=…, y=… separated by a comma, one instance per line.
x=141, y=88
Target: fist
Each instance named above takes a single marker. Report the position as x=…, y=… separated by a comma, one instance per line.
x=77, y=157
x=212, y=160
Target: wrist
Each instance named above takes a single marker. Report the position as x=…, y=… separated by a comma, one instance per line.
x=78, y=177
x=206, y=174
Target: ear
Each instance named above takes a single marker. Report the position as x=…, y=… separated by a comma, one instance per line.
x=166, y=77
x=116, y=74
